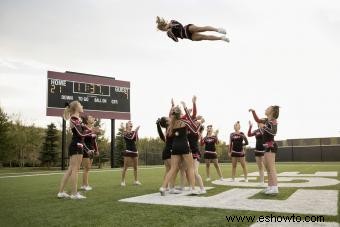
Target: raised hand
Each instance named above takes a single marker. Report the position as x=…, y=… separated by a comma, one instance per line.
x=251, y=110
x=250, y=124
x=172, y=102
x=183, y=104
x=194, y=99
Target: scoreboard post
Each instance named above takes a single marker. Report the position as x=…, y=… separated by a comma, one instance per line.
x=102, y=97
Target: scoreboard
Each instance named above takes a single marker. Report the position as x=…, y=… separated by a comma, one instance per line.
x=101, y=97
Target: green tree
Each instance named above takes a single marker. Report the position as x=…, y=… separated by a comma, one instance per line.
x=119, y=148
x=4, y=130
x=49, y=154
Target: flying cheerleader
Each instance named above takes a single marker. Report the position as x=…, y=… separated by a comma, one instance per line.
x=175, y=30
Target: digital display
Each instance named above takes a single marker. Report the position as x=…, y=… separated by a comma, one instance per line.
x=102, y=97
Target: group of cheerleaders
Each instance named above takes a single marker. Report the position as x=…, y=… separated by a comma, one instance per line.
x=182, y=136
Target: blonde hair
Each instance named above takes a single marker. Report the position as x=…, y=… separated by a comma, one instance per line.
x=161, y=23
x=175, y=116
x=70, y=109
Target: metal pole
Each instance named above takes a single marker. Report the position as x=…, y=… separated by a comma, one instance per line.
x=113, y=141
x=63, y=144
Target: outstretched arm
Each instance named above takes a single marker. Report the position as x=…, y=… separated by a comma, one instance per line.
x=194, y=107
x=256, y=118
x=250, y=133
x=245, y=140
x=160, y=131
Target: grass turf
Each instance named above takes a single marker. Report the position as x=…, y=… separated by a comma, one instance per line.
x=31, y=201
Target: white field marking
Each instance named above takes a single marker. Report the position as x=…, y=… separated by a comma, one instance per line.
x=301, y=202
x=310, y=182
x=298, y=174
x=296, y=224
x=62, y=172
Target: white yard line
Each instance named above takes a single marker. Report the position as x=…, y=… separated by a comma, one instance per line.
x=62, y=172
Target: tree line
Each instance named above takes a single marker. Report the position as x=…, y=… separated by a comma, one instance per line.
x=32, y=146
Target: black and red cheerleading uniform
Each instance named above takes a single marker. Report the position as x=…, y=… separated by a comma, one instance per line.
x=193, y=135
x=166, y=154
x=210, y=147
x=269, y=133
x=259, y=148
x=130, y=144
x=237, y=142
x=178, y=31
x=90, y=144
x=78, y=134
x=180, y=144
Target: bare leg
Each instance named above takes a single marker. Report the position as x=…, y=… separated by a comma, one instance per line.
x=125, y=167
x=86, y=169
x=267, y=165
x=167, y=164
x=194, y=29
x=272, y=167
x=207, y=168
x=198, y=177
x=259, y=162
x=200, y=37
x=244, y=167
x=188, y=160
x=74, y=176
x=217, y=167
x=175, y=160
x=183, y=173
x=67, y=174
x=135, y=167
x=233, y=167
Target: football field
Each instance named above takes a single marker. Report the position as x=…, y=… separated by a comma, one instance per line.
x=28, y=198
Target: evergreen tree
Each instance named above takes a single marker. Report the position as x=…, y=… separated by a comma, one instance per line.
x=49, y=154
x=119, y=148
x=4, y=130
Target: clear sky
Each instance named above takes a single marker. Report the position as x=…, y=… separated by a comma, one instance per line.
x=281, y=52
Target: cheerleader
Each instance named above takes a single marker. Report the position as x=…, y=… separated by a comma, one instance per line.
x=196, y=155
x=269, y=128
x=259, y=150
x=76, y=149
x=178, y=128
x=90, y=149
x=176, y=30
x=131, y=153
x=210, y=155
x=236, y=150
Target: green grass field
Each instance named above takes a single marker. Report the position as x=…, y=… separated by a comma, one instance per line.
x=31, y=200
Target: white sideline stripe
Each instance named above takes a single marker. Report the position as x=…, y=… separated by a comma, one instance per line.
x=295, y=224
x=60, y=173
x=298, y=174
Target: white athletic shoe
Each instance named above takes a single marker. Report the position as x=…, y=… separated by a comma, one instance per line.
x=77, y=196
x=202, y=191
x=123, y=184
x=174, y=191
x=137, y=183
x=225, y=38
x=208, y=179
x=246, y=180
x=272, y=191
x=193, y=192
x=262, y=184
x=162, y=191
x=86, y=188
x=222, y=31
x=63, y=195
x=266, y=189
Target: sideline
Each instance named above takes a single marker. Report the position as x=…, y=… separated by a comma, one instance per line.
x=62, y=172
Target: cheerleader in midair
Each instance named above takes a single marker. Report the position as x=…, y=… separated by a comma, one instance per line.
x=131, y=153
x=90, y=150
x=210, y=155
x=236, y=150
x=259, y=150
x=269, y=128
x=176, y=30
